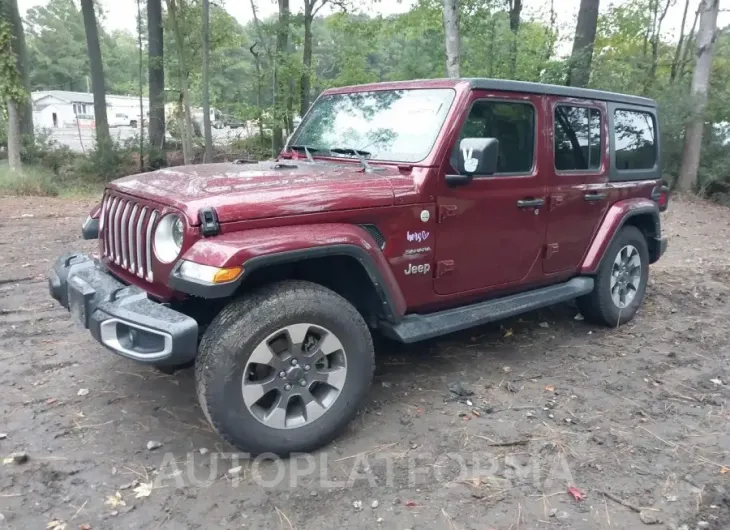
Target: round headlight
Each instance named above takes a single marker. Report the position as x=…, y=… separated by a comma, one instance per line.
x=168, y=238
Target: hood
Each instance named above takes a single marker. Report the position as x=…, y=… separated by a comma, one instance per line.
x=265, y=189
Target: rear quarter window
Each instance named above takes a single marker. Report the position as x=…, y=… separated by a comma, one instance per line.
x=635, y=140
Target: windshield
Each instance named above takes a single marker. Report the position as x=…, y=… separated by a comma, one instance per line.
x=396, y=125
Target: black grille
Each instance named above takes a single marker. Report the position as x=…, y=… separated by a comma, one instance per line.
x=377, y=236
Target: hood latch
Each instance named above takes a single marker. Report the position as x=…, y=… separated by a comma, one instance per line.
x=209, y=225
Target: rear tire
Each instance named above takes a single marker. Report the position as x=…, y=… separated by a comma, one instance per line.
x=246, y=361
x=620, y=285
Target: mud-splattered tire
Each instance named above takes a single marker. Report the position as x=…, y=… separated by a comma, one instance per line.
x=620, y=286
x=295, y=347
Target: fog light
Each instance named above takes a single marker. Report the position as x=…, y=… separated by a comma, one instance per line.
x=207, y=273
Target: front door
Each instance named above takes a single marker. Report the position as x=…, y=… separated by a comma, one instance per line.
x=578, y=196
x=491, y=231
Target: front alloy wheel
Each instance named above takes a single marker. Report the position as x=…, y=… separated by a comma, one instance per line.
x=294, y=376
x=285, y=368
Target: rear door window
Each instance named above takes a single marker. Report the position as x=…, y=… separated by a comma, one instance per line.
x=634, y=140
x=577, y=138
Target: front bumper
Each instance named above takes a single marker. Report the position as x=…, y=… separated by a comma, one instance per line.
x=121, y=317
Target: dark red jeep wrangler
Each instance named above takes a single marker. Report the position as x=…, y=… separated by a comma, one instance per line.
x=411, y=209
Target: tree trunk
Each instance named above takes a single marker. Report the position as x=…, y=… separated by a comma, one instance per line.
x=656, y=34
x=550, y=34
x=579, y=67
x=155, y=49
x=451, y=30
x=141, y=81
x=259, y=89
x=688, y=46
x=21, y=53
x=282, y=47
x=680, y=42
x=306, y=57
x=706, y=36
x=208, y=157
x=270, y=57
x=187, y=122
x=103, y=139
x=490, y=48
x=515, y=9
x=13, y=135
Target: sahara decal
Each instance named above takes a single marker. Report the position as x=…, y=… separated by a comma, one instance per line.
x=412, y=251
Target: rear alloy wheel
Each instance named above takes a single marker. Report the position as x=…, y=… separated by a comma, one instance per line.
x=625, y=276
x=621, y=280
x=284, y=369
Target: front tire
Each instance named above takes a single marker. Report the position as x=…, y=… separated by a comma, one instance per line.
x=621, y=280
x=284, y=369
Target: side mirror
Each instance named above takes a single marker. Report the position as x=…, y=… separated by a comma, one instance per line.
x=473, y=156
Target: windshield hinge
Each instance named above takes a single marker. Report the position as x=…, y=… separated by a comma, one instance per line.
x=209, y=225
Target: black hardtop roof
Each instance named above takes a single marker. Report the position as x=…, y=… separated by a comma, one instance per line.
x=557, y=90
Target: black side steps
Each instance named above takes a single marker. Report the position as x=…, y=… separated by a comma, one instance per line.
x=414, y=328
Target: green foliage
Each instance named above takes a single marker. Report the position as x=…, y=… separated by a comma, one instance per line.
x=11, y=86
x=33, y=180
x=352, y=48
x=57, y=54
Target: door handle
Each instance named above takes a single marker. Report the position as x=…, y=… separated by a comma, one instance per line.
x=530, y=203
x=594, y=197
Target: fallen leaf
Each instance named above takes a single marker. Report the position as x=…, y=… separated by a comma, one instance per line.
x=51, y=401
x=508, y=333
x=115, y=500
x=550, y=388
x=85, y=527
x=143, y=490
x=476, y=482
x=724, y=470
x=576, y=493
x=411, y=504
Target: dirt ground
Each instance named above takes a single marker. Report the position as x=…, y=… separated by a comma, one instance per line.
x=483, y=430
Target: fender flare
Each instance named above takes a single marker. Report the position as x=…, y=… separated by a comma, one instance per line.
x=616, y=217
x=255, y=249
x=389, y=305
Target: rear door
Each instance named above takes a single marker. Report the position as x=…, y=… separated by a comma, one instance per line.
x=578, y=181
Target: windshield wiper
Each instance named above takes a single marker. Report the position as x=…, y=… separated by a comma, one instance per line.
x=349, y=151
x=359, y=153
x=307, y=150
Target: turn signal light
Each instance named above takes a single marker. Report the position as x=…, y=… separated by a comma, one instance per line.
x=227, y=275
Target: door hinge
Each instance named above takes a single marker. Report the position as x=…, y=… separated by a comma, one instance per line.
x=447, y=210
x=444, y=267
x=551, y=249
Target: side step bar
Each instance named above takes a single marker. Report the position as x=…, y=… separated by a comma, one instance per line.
x=414, y=328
